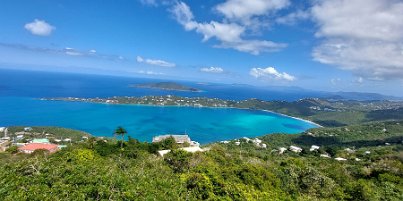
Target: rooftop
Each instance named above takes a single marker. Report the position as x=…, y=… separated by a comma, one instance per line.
x=40, y=140
x=178, y=138
x=36, y=146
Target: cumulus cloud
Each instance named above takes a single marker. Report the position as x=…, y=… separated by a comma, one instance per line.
x=363, y=36
x=270, y=73
x=155, y=62
x=212, y=70
x=293, y=18
x=230, y=34
x=241, y=10
x=39, y=27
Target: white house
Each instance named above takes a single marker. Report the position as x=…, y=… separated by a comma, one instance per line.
x=187, y=149
x=350, y=151
x=295, y=149
x=27, y=129
x=325, y=156
x=340, y=159
x=314, y=148
x=246, y=139
x=163, y=152
x=257, y=141
x=282, y=150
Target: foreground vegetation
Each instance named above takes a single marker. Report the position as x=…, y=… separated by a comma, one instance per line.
x=99, y=169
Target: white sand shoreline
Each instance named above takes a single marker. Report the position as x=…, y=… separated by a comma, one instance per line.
x=270, y=111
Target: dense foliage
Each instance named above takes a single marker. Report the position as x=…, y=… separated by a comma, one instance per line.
x=100, y=169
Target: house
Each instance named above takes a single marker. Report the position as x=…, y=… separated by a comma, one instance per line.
x=295, y=149
x=314, y=148
x=192, y=149
x=180, y=139
x=350, y=151
x=187, y=149
x=246, y=139
x=163, y=152
x=2, y=129
x=41, y=140
x=67, y=140
x=340, y=159
x=282, y=150
x=27, y=129
x=31, y=147
x=257, y=141
x=325, y=156
x=237, y=143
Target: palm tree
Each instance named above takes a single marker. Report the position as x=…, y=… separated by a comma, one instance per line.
x=120, y=131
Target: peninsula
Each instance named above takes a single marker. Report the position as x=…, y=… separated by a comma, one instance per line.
x=328, y=113
x=166, y=86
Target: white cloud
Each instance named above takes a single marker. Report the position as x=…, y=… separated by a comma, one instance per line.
x=363, y=36
x=293, y=17
x=270, y=73
x=39, y=27
x=92, y=51
x=229, y=34
x=243, y=11
x=155, y=62
x=72, y=52
x=149, y=72
x=212, y=70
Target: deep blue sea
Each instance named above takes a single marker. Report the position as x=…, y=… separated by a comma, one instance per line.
x=20, y=105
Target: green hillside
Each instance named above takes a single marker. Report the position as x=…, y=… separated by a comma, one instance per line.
x=100, y=170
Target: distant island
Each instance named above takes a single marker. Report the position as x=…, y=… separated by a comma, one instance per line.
x=166, y=86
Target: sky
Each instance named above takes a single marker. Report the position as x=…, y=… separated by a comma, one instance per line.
x=329, y=45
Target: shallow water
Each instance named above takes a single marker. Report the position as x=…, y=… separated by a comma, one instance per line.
x=143, y=122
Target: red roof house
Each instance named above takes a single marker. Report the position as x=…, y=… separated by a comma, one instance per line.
x=29, y=148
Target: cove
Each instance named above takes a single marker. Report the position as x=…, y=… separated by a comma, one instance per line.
x=204, y=125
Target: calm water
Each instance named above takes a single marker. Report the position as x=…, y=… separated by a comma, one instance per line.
x=19, y=106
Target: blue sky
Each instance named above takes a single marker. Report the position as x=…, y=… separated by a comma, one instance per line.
x=332, y=45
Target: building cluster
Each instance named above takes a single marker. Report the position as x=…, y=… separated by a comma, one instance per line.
x=184, y=140
x=22, y=140
x=256, y=141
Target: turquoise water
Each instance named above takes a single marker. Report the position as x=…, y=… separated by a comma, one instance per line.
x=143, y=122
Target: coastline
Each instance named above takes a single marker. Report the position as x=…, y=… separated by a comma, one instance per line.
x=155, y=105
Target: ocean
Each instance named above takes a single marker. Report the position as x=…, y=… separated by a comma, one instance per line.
x=20, y=105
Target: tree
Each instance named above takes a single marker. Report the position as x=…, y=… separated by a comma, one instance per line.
x=120, y=131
